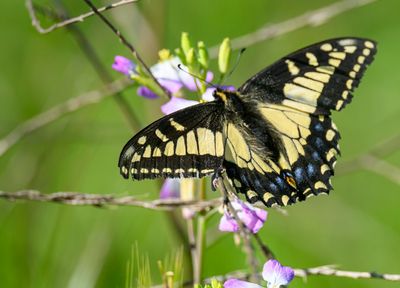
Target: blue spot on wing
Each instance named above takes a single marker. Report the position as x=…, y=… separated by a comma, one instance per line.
x=258, y=184
x=299, y=174
x=310, y=169
x=315, y=155
x=273, y=187
x=319, y=142
x=318, y=127
x=280, y=182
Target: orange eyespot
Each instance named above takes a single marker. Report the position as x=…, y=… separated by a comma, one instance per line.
x=291, y=181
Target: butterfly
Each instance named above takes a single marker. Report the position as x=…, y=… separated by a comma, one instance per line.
x=273, y=138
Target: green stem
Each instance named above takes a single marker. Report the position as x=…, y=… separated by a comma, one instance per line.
x=201, y=235
x=201, y=228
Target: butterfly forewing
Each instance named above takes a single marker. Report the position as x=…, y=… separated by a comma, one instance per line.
x=187, y=143
x=315, y=79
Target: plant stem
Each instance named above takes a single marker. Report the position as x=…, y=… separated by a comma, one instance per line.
x=201, y=228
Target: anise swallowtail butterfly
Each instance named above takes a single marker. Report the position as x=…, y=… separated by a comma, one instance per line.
x=273, y=137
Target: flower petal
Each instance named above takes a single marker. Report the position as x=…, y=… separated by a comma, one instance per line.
x=261, y=214
x=172, y=86
x=276, y=274
x=175, y=104
x=166, y=69
x=235, y=283
x=146, y=92
x=208, y=95
x=170, y=189
x=123, y=65
x=166, y=72
x=253, y=218
x=228, y=224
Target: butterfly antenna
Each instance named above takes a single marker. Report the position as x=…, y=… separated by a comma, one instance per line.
x=196, y=76
x=236, y=63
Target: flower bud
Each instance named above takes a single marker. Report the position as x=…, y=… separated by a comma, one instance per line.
x=203, y=55
x=224, y=55
x=185, y=43
x=178, y=52
x=123, y=65
x=190, y=57
x=164, y=54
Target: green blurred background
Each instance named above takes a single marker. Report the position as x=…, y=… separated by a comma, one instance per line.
x=51, y=245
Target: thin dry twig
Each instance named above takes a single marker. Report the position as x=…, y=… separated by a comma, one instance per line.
x=59, y=111
x=372, y=160
x=129, y=46
x=327, y=270
x=310, y=18
x=268, y=254
x=99, y=200
x=378, y=166
x=36, y=23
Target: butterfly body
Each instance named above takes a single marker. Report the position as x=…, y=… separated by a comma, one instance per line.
x=273, y=139
x=244, y=114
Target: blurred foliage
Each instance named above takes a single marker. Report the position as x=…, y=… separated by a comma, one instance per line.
x=49, y=245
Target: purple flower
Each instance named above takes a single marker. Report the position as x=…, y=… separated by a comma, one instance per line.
x=274, y=273
x=175, y=104
x=208, y=95
x=277, y=275
x=146, y=92
x=173, y=79
x=123, y=65
x=172, y=86
x=170, y=189
x=235, y=283
x=253, y=218
x=167, y=74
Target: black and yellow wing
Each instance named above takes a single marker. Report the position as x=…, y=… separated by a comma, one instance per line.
x=294, y=97
x=315, y=79
x=187, y=143
x=303, y=149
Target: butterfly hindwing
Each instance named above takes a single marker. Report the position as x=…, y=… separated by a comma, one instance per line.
x=187, y=143
x=315, y=79
x=307, y=146
x=249, y=161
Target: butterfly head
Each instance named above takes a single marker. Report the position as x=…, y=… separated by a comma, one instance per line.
x=225, y=96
